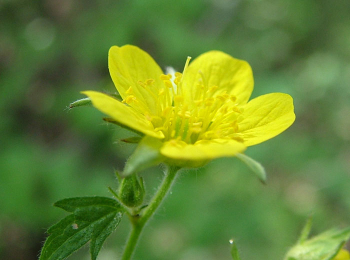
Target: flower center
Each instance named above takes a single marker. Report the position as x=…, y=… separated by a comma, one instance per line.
x=208, y=114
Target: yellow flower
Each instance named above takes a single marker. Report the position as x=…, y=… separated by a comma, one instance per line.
x=342, y=255
x=198, y=115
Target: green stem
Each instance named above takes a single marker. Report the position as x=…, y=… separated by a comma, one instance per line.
x=138, y=222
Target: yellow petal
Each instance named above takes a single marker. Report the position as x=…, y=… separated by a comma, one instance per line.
x=342, y=255
x=265, y=117
x=128, y=65
x=201, y=150
x=122, y=113
x=218, y=69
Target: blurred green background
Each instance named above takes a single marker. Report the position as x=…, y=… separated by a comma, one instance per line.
x=51, y=50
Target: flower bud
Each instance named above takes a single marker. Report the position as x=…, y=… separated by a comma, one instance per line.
x=131, y=191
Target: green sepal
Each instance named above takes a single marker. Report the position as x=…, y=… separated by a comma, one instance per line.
x=93, y=219
x=147, y=154
x=113, y=121
x=255, y=166
x=87, y=101
x=322, y=247
x=305, y=232
x=234, y=250
x=131, y=191
x=80, y=103
x=132, y=140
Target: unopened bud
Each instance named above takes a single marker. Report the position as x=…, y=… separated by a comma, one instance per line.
x=131, y=191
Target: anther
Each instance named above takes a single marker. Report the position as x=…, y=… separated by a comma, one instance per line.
x=159, y=129
x=129, y=91
x=233, y=98
x=221, y=97
x=156, y=121
x=197, y=124
x=198, y=102
x=196, y=130
x=129, y=99
x=142, y=84
x=209, y=101
x=165, y=77
x=178, y=98
x=236, y=109
x=166, y=111
x=212, y=89
x=168, y=83
x=149, y=82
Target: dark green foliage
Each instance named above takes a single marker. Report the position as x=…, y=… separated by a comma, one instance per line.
x=93, y=219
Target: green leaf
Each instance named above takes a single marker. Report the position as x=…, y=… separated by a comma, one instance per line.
x=255, y=166
x=234, y=250
x=72, y=204
x=322, y=247
x=93, y=219
x=146, y=155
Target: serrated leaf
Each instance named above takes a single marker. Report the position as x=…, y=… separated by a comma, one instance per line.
x=255, y=166
x=93, y=219
x=71, y=204
x=322, y=247
x=100, y=236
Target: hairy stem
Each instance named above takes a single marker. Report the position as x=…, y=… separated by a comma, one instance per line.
x=139, y=221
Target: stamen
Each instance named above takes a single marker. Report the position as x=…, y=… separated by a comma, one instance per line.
x=186, y=64
x=178, y=100
x=212, y=89
x=179, y=85
x=165, y=77
x=233, y=98
x=178, y=77
x=129, y=91
x=142, y=84
x=149, y=82
x=209, y=102
x=167, y=82
x=129, y=99
x=212, y=113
